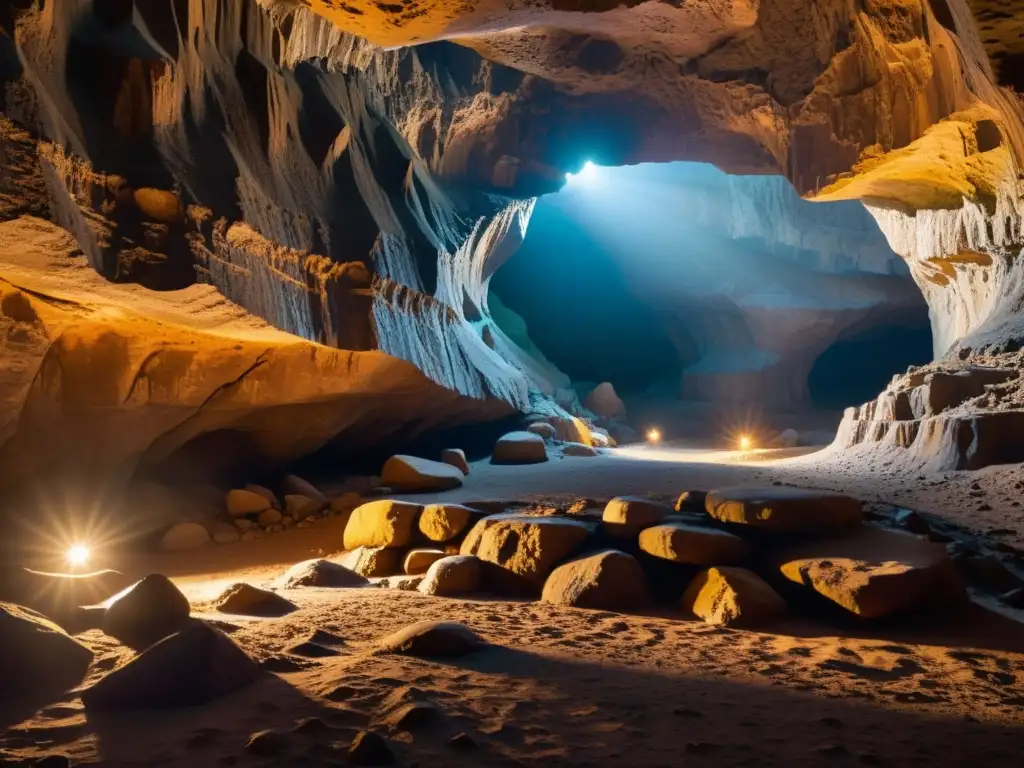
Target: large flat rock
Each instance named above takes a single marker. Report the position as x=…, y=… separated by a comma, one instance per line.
x=693, y=544
x=784, y=510
x=874, y=572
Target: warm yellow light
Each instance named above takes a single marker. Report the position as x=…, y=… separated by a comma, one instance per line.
x=77, y=555
x=653, y=436
x=746, y=443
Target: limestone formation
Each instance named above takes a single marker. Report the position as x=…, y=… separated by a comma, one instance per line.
x=519, y=448
x=146, y=612
x=432, y=639
x=457, y=458
x=525, y=546
x=410, y=474
x=874, y=572
x=784, y=510
x=444, y=522
x=195, y=666
x=383, y=523
x=247, y=600
x=608, y=580
x=693, y=545
x=730, y=596
x=452, y=576
x=417, y=561
x=625, y=516
x=320, y=573
x=37, y=658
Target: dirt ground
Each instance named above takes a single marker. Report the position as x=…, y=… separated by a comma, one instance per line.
x=562, y=686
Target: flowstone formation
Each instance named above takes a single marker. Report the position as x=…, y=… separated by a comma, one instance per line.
x=360, y=197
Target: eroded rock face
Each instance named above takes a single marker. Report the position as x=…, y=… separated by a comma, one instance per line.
x=361, y=197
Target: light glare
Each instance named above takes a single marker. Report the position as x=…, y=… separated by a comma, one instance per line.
x=653, y=436
x=77, y=555
x=745, y=443
x=586, y=177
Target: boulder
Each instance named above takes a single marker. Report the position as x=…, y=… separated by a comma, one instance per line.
x=730, y=596
x=148, y=611
x=578, y=449
x=691, y=501
x=247, y=600
x=542, y=429
x=605, y=402
x=369, y=748
x=693, y=544
x=265, y=493
x=269, y=517
x=444, y=522
x=243, y=503
x=195, y=666
x=456, y=457
x=37, y=658
x=432, y=639
x=785, y=510
x=608, y=580
x=293, y=485
x=526, y=546
x=320, y=573
x=626, y=516
x=299, y=507
x=411, y=474
x=417, y=561
x=346, y=502
x=401, y=583
x=599, y=438
x=519, y=448
x=185, y=536
x=225, y=533
x=384, y=523
x=450, y=576
x=372, y=562
x=873, y=572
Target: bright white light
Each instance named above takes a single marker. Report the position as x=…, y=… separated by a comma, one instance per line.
x=745, y=443
x=587, y=177
x=77, y=555
x=654, y=436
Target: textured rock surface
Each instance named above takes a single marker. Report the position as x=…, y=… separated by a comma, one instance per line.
x=784, y=510
x=519, y=448
x=372, y=562
x=528, y=547
x=432, y=639
x=626, y=516
x=411, y=474
x=444, y=522
x=608, y=581
x=247, y=600
x=383, y=523
x=320, y=573
x=452, y=576
x=732, y=597
x=874, y=572
x=693, y=545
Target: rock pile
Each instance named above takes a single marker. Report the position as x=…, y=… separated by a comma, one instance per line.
x=735, y=556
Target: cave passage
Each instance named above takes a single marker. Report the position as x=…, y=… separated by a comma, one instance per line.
x=579, y=310
x=678, y=280
x=855, y=369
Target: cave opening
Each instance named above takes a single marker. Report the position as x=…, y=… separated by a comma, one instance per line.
x=707, y=292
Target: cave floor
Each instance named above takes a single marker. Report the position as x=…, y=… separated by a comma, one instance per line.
x=571, y=687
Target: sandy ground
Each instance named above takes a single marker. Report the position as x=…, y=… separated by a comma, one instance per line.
x=582, y=688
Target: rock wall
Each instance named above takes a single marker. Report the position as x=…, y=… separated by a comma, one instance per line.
x=360, y=196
